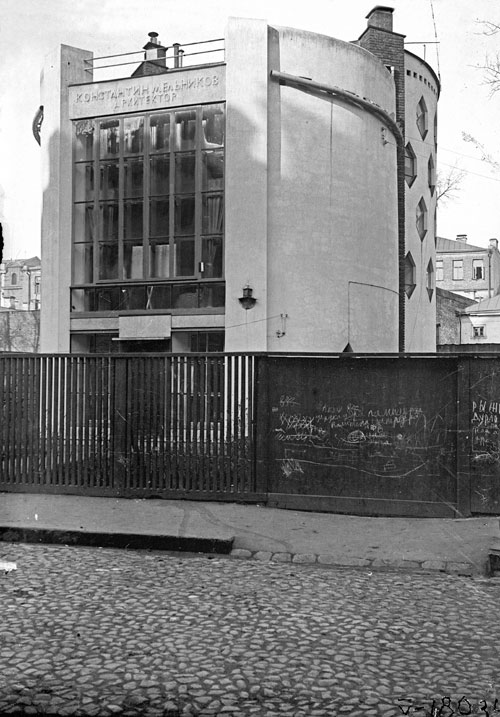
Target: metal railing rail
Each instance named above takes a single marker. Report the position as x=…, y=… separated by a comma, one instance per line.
x=178, y=55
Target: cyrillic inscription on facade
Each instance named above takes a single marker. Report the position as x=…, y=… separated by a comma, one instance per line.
x=147, y=93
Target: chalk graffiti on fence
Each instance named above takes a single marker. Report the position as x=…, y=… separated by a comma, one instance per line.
x=351, y=424
x=485, y=429
x=391, y=440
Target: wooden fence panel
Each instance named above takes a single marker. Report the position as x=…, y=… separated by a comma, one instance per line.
x=483, y=419
x=369, y=435
x=379, y=435
x=127, y=425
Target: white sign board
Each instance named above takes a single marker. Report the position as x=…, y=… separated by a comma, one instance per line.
x=145, y=327
x=197, y=85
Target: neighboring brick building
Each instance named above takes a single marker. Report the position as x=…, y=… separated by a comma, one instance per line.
x=468, y=270
x=20, y=284
x=480, y=323
x=448, y=308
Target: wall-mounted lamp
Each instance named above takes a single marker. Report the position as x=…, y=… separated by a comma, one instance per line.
x=247, y=300
x=281, y=332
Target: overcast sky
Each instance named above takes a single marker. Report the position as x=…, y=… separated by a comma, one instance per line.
x=30, y=29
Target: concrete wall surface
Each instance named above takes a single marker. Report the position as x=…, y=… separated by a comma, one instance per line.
x=62, y=67
x=324, y=268
x=420, y=83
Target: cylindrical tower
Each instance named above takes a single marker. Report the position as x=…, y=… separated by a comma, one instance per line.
x=421, y=97
x=317, y=236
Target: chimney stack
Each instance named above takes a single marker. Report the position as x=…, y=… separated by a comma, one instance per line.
x=381, y=17
x=494, y=243
x=462, y=237
x=155, y=51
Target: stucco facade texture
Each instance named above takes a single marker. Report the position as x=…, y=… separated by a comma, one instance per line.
x=310, y=193
x=320, y=242
x=421, y=85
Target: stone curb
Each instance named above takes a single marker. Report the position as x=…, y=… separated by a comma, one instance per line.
x=131, y=541
x=443, y=566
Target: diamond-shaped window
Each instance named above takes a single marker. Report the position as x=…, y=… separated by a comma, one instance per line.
x=430, y=279
x=421, y=218
x=422, y=118
x=410, y=165
x=410, y=274
x=431, y=174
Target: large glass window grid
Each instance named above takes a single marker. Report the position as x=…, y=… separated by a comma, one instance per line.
x=148, y=197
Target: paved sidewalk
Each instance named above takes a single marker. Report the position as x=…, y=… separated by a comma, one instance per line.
x=250, y=531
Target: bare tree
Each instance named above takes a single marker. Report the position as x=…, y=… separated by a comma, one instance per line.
x=485, y=156
x=448, y=184
x=491, y=65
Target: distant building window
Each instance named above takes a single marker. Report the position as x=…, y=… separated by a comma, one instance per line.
x=37, y=286
x=478, y=332
x=410, y=281
x=439, y=271
x=431, y=174
x=421, y=218
x=430, y=278
x=410, y=165
x=458, y=269
x=13, y=279
x=422, y=118
x=477, y=269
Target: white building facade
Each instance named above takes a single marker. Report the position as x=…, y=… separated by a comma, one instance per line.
x=20, y=284
x=251, y=204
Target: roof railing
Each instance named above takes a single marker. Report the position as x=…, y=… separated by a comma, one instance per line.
x=197, y=54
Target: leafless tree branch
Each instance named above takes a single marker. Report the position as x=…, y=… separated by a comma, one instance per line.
x=489, y=28
x=485, y=156
x=491, y=67
x=448, y=184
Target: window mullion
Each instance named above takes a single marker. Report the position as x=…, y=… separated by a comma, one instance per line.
x=95, y=208
x=198, y=196
x=145, y=199
x=121, y=203
x=224, y=197
x=171, y=197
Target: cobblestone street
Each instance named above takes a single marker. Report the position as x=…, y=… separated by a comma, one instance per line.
x=91, y=631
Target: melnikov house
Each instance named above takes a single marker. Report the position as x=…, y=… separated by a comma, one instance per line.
x=276, y=195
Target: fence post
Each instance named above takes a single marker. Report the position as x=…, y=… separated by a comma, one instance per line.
x=262, y=416
x=119, y=424
x=463, y=442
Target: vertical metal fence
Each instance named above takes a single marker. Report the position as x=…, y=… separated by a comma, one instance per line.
x=165, y=425
x=393, y=435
